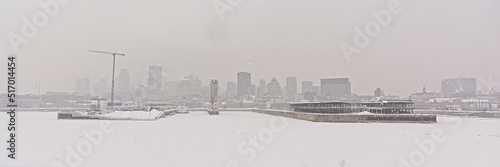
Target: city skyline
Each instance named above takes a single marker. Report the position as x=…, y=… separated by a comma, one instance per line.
x=211, y=48
x=194, y=86
x=258, y=84
x=244, y=82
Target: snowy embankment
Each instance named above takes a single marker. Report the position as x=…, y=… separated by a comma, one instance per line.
x=251, y=139
x=130, y=115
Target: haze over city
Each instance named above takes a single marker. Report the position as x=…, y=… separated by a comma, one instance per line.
x=426, y=42
x=309, y=83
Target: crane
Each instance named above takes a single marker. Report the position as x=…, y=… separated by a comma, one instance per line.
x=113, y=78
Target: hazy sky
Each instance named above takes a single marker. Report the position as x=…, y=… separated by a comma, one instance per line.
x=426, y=42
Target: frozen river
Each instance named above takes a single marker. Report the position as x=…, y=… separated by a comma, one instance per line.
x=250, y=139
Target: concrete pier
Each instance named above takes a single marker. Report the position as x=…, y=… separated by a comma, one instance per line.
x=75, y=115
x=353, y=118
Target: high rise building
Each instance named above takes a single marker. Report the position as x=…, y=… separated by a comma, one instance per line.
x=170, y=88
x=459, y=87
x=274, y=88
x=307, y=86
x=155, y=78
x=335, y=88
x=262, y=88
x=195, y=83
x=316, y=89
x=244, y=83
x=291, y=87
x=252, y=90
x=184, y=88
x=123, y=82
x=231, y=89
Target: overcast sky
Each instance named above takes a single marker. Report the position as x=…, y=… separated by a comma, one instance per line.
x=424, y=43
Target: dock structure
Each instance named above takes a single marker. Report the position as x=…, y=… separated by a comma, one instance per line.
x=380, y=107
x=85, y=116
x=352, y=118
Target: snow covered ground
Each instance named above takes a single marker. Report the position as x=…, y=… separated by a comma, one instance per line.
x=134, y=114
x=250, y=139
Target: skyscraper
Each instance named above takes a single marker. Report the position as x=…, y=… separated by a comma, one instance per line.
x=252, y=90
x=291, y=87
x=244, y=83
x=274, y=88
x=262, y=88
x=307, y=86
x=123, y=82
x=336, y=87
x=184, y=88
x=459, y=87
x=231, y=90
x=195, y=83
x=170, y=88
x=154, y=78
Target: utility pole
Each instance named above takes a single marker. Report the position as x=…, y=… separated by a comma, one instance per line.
x=113, y=78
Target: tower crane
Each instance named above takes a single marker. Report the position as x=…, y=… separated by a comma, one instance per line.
x=113, y=78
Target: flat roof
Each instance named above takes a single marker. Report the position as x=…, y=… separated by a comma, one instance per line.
x=345, y=102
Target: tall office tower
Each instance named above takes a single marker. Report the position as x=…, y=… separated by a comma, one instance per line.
x=170, y=88
x=316, y=89
x=195, y=83
x=244, y=82
x=154, y=78
x=123, y=82
x=231, y=90
x=274, y=88
x=184, y=88
x=307, y=86
x=262, y=88
x=291, y=87
x=459, y=87
x=252, y=90
x=336, y=87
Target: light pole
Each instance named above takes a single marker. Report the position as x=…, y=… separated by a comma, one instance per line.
x=113, y=77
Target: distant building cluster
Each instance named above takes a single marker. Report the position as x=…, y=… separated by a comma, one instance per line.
x=455, y=93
